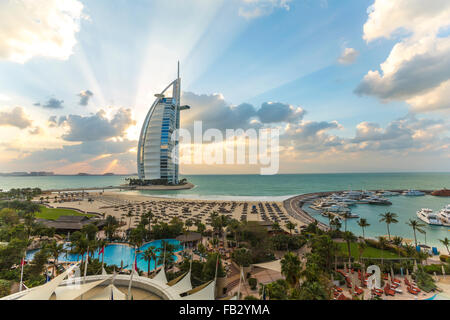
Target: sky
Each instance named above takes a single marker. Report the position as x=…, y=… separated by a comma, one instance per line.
x=353, y=86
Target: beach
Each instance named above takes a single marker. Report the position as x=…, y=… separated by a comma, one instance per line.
x=118, y=204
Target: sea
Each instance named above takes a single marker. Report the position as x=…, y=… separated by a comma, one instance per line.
x=282, y=186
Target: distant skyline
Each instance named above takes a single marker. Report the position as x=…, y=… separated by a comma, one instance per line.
x=353, y=86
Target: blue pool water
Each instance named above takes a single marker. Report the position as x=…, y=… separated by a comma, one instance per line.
x=116, y=253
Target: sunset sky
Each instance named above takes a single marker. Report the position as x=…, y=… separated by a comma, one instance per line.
x=352, y=85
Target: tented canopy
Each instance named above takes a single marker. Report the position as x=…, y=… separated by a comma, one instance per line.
x=184, y=284
x=45, y=291
x=272, y=265
x=206, y=292
x=74, y=291
x=161, y=276
x=110, y=293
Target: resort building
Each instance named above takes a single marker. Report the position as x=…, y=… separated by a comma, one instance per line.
x=157, y=157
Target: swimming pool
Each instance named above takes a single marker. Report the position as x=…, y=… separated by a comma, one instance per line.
x=118, y=253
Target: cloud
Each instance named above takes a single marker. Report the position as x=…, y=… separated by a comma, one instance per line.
x=52, y=103
x=417, y=69
x=215, y=112
x=250, y=9
x=94, y=155
x=52, y=121
x=273, y=112
x=311, y=136
x=38, y=28
x=348, y=56
x=16, y=118
x=35, y=131
x=85, y=95
x=408, y=132
x=96, y=127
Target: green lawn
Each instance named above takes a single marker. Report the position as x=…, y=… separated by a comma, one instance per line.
x=369, y=252
x=55, y=213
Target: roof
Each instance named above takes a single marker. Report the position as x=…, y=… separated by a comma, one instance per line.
x=45, y=291
x=74, y=291
x=203, y=292
x=272, y=265
x=70, y=222
x=191, y=236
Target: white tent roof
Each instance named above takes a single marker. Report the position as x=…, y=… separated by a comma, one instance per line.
x=184, y=284
x=207, y=293
x=161, y=276
x=272, y=265
x=74, y=291
x=45, y=291
x=109, y=293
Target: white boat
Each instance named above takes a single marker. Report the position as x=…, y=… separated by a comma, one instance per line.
x=413, y=193
x=429, y=217
x=335, y=208
x=444, y=215
x=388, y=193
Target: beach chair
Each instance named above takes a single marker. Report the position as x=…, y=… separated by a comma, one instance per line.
x=388, y=291
x=412, y=291
x=358, y=290
x=435, y=251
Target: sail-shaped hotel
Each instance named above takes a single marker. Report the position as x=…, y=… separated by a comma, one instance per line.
x=157, y=158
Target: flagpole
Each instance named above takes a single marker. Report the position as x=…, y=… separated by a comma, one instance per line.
x=240, y=280
x=103, y=255
x=131, y=277
x=22, y=262
x=215, y=277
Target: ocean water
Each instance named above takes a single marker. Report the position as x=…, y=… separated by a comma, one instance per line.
x=283, y=185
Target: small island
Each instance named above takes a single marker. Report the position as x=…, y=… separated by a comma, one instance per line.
x=157, y=184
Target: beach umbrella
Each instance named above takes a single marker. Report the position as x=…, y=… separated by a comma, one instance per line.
x=443, y=270
x=392, y=273
x=401, y=271
x=415, y=266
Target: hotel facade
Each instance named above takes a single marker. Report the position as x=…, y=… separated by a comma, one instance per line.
x=157, y=157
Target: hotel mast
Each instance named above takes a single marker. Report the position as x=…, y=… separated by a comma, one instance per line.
x=155, y=158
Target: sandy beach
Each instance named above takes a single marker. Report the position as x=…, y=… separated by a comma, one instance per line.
x=118, y=204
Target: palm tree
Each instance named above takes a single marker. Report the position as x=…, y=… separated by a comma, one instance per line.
x=397, y=241
x=346, y=215
x=188, y=224
x=349, y=238
x=388, y=217
x=417, y=226
x=129, y=214
x=291, y=268
x=149, y=215
x=446, y=243
x=276, y=227
x=234, y=226
x=363, y=224
x=149, y=255
x=55, y=250
x=291, y=226
x=383, y=244
x=361, y=247
x=330, y=216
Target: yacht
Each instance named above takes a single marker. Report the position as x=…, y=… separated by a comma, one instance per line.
x=428, y=216
x=444, y=215
x=383, y=193
x=413, y=193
